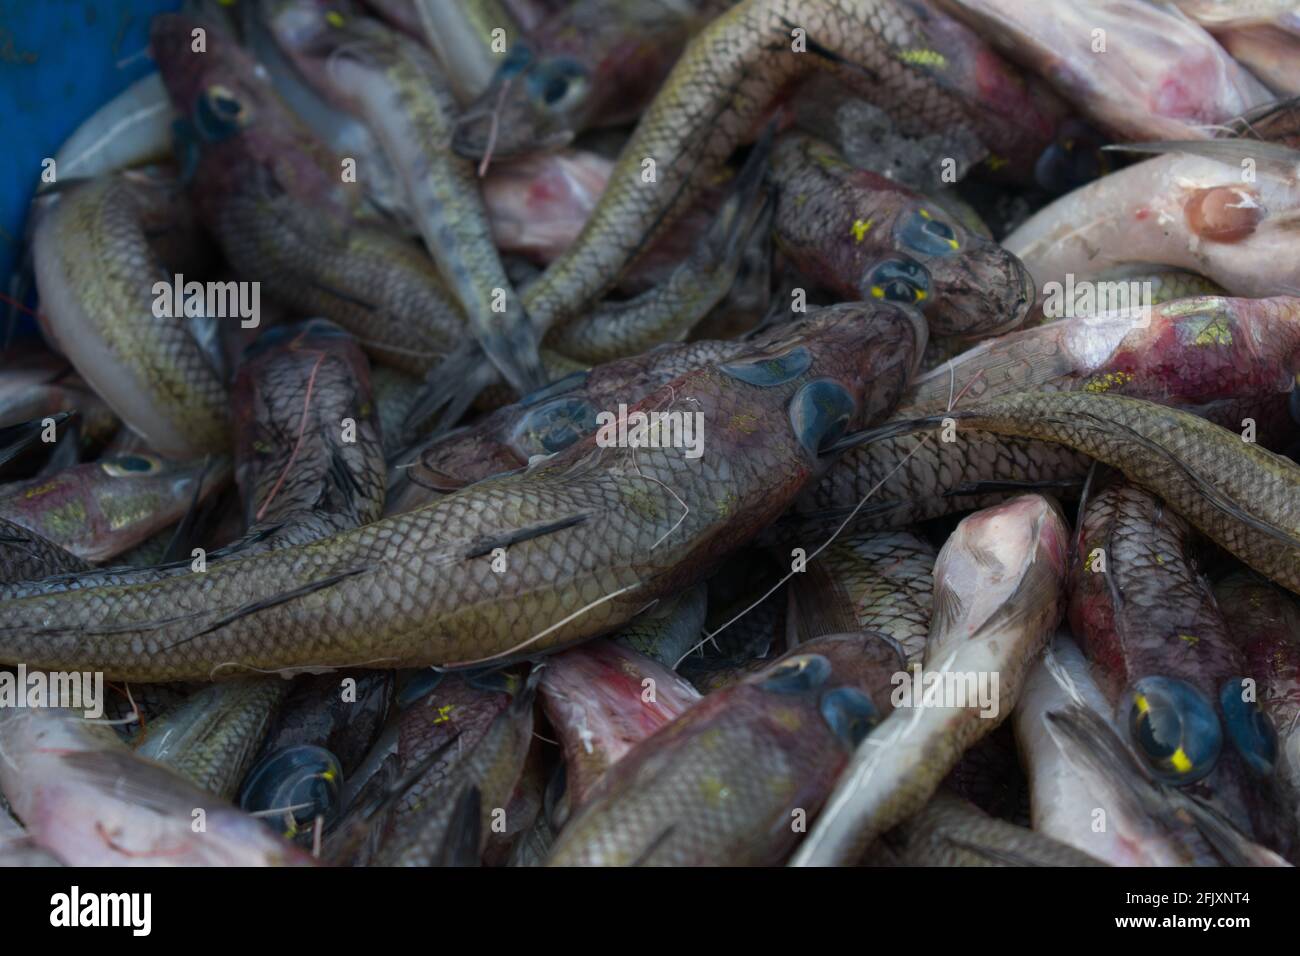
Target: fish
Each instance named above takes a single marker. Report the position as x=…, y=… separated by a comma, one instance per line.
x=486, y=776
x=1146, y=618
x=1222, y=209
x=864, y=236
x=140, y=359
x=716, y=96
x=590, y=521
x=1094, y=795
x=999, y=593
x=1235, y=493
x=596, y=63
x=100, y=509
x=1135, y=69
x=670, y=310
x=539, y=203
x=393, y=84
x=1264, y=622
x=213, y=737
x=464, y=36
x=875, y=582
x=665, y=632
x=734, y=780
x=89, y=800
x=1260, y=36
x=343, y=713
x=308, y=449
x=277, y=203
x=602, y=699
x=950, y=831
x=26, y=556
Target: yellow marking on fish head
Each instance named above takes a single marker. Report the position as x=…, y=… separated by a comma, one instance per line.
x=1105, y=383
x=1181, y=761
x=996, y=162
x=789, y=718
x=1140, y=702
x=444, y=713
x=1189, y=639
x=1217, y=331
x=715, y=790
x=40, y=490
x=860, y=228
x=744, y=423
x=920, y=56
x=335, y=19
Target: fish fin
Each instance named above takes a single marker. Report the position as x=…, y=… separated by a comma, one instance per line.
x=16, y=439
x=1279, y=159
x=180, y=538
x=883, y=432
x=463, y=840
x=1084, y=737
x=508, y=539
x=824, y=606
x=274, y=600
x=1205, y=487
x=449, y=390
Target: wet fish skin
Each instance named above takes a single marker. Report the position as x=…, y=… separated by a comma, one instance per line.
x=276, y=202
x=308, y=449
x=880, y=582
x=836, y=223
x=1152, y=614
x=669, y=629
x=999, y=592
x=1224, y=358
x=1155, y=212
x=393, y=84
x=603, y=699
x=587, y=522
x=92, y=802
x=1264, y=622
x=1237, y=494
x=26, y=556
x=100, y=509
x=596, y=63
x=715, y=98
x=1162, y=77
x=96, y=274
x=722, y=784
x=213, y=737
x=492, y=768
x=671, y=309
x=1144, y=826
x=950, y=831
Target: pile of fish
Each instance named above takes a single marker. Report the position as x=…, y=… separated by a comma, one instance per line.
x=663, y=432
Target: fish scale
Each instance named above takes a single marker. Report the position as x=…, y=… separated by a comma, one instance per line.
x=648, y=523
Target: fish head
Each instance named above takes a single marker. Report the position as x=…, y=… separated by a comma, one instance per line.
x=852, y=362
x=964, y=282
x=234, y=132
x=535, y=103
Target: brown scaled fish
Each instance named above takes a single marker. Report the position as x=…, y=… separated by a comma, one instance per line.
x=584, y=540
x=733, y=780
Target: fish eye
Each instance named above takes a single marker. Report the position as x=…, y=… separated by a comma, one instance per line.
x=516, y=60
x=558, y=83
x=552, y=427
x=219, y=114
x=768, y=371
x=1249, y=728
x=1174, y=729
x=303, y=777
x=899, y=280
x=797, y=675
x=924, y=234
x=128, y=466
x=849, y=713
x=820, y=412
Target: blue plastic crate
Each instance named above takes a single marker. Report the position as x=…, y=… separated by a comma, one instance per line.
x=60, y=60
